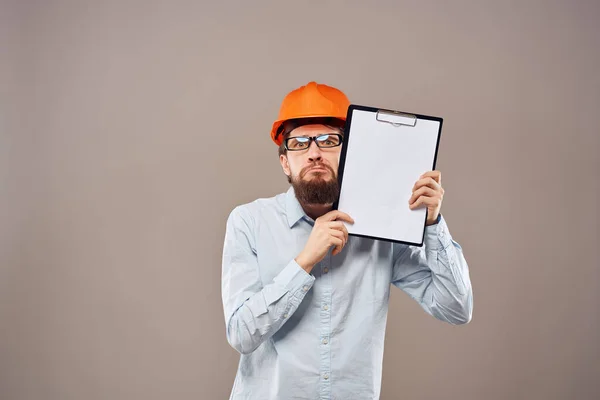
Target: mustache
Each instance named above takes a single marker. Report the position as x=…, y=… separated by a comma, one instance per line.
x=305, y=170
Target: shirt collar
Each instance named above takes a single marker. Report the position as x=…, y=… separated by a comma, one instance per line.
x=293, y=209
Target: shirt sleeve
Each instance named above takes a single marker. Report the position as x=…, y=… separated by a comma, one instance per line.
x=436, y=275
x=255, y=311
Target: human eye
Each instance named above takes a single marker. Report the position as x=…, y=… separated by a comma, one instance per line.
x=298, y=142
x=329, y=140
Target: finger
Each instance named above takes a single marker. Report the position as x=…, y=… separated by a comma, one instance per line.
x=338, y=235
x=336, y=225
x=345, y=231
x=429, y=182
x=423, y=191
x=337, y=215
x=341, y=236
x=436, y=175
x=428, y=201
x=339, y=226
x=336, y=250
x=339, y=245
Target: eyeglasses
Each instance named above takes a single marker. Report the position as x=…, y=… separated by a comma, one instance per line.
x=324, y=141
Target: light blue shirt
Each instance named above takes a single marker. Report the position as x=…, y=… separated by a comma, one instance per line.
x=321, y=335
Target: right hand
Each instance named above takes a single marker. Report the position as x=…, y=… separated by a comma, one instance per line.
x=329, y=230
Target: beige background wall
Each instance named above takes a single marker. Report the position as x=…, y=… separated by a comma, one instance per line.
x=129, y=130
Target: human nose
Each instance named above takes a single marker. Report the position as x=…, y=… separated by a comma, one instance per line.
x=314, y=151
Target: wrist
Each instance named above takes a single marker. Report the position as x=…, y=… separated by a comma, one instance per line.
x=304, y=263
x=435, y=221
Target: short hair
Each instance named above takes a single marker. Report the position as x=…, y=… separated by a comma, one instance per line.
x=288, y=126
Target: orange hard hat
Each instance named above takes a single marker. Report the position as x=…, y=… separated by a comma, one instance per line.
x=313, y=100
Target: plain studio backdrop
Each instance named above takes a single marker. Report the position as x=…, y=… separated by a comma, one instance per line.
x=129, y=131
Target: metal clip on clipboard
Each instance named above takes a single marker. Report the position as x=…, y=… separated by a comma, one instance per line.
x=396, y=118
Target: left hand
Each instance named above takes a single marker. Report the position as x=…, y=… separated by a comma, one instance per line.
x=428, y=191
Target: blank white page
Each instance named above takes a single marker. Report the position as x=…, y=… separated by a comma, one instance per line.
x=381, y=165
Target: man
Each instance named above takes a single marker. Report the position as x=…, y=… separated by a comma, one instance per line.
x=305, y=304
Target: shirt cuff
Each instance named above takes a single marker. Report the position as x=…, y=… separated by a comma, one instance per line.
x=293, y=277
x=437, y=236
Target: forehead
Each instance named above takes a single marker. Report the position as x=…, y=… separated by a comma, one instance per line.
x=312, y=129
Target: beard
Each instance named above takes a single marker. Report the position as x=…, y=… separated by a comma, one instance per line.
x=319, y=189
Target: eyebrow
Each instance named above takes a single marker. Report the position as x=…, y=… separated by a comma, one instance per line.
x=322, y=134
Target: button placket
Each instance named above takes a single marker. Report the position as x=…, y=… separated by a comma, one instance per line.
x=325, y=328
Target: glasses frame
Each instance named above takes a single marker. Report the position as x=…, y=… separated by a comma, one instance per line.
x=314, y=139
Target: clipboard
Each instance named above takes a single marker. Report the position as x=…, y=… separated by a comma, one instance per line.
x=383, y=154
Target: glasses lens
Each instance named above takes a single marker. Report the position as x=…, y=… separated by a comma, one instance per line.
x=297, y=143
x=330, y=140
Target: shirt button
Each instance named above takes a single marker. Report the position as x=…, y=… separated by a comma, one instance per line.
x=325, y=341
x=285, y=315
x=325, y=307
x=305, y=288
x=326, y=376
x=326, y=270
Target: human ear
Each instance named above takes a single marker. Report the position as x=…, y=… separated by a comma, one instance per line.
x=285, y=165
